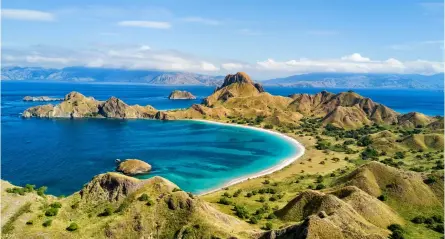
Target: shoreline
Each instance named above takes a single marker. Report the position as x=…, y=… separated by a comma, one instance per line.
x=282, y=164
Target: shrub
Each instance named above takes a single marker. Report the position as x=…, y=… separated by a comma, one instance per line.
x=418, y=220
x=107, y=212
x=397, y=231
x=224, y=201
x=72, y=227
x=254, y=192
x=176, y=189
x=399, y=155
x=29, y=188
x=51, y=212
x=30, y=222
x=319, y=179
x=56, y=205
x=41, y=191
x=253, y=220
x=249, y=195
x=268, y=226
x=237, y=193
x=369, y=153
x=438, y=228
x=149, y=202
x=144, y=197
x=226, y=194
x=262, y=199
x=429, y=221
x=430, y=179
x=272, y=199
x=266, y=181
x=20, y=191
x=437, y=218
x=272, y=216
x=241, y=211
x=268, y=126
x=320, y=186
x=47, y=223
x=364, y=141
x=382, y=197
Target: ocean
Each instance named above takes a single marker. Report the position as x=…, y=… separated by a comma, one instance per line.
x=64, y=154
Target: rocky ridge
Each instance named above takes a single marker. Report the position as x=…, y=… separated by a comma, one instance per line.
x=239, y=96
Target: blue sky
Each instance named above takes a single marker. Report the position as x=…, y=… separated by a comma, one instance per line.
x=263, y=38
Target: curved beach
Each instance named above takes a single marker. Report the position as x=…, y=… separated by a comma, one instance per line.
x=283, y=163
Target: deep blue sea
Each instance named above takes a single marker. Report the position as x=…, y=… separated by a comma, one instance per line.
x=64, y=154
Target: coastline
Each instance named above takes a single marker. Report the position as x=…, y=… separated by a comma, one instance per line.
x=282, y=164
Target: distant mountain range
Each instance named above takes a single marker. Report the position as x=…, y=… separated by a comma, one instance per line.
x=158, y=77
x=86, y=74
x=357, y=80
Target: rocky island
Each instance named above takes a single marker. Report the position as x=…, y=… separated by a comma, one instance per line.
x=133, y=167
x=181, y=95
x=41, y=98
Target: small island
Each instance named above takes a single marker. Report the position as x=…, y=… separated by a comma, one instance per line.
x=133, y=167
x=181, y=95
x=41, y=98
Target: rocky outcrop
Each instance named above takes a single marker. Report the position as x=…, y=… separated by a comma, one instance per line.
x=41, y=98
x=133, y=167
x=181, y=95
x=237, y=85
x=76, y=105
x=109, y=187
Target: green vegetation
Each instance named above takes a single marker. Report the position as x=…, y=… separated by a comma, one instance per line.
x=396, y=231
x=47, y=223
x=51, y=212
x=72, y=227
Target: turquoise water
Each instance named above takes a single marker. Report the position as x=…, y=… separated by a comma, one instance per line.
x=64, y=154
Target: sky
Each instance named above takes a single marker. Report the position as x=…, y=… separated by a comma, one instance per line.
x=266, y=39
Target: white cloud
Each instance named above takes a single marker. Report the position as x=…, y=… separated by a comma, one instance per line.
x=355, y=57
x=202, y=20
x=353, y=63
x=144, y=57
x=232, y=66
x=26, y=15
x=145, y=24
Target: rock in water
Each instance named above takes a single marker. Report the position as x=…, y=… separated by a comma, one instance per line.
x=41, y=98
x=133, y=167
x=181, y=95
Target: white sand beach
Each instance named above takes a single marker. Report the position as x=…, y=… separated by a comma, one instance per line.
x=283, y=163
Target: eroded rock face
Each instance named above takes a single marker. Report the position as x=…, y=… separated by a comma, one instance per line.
x=76, y=105
x=133, y=167
x=181, y=95
x=41, y=98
